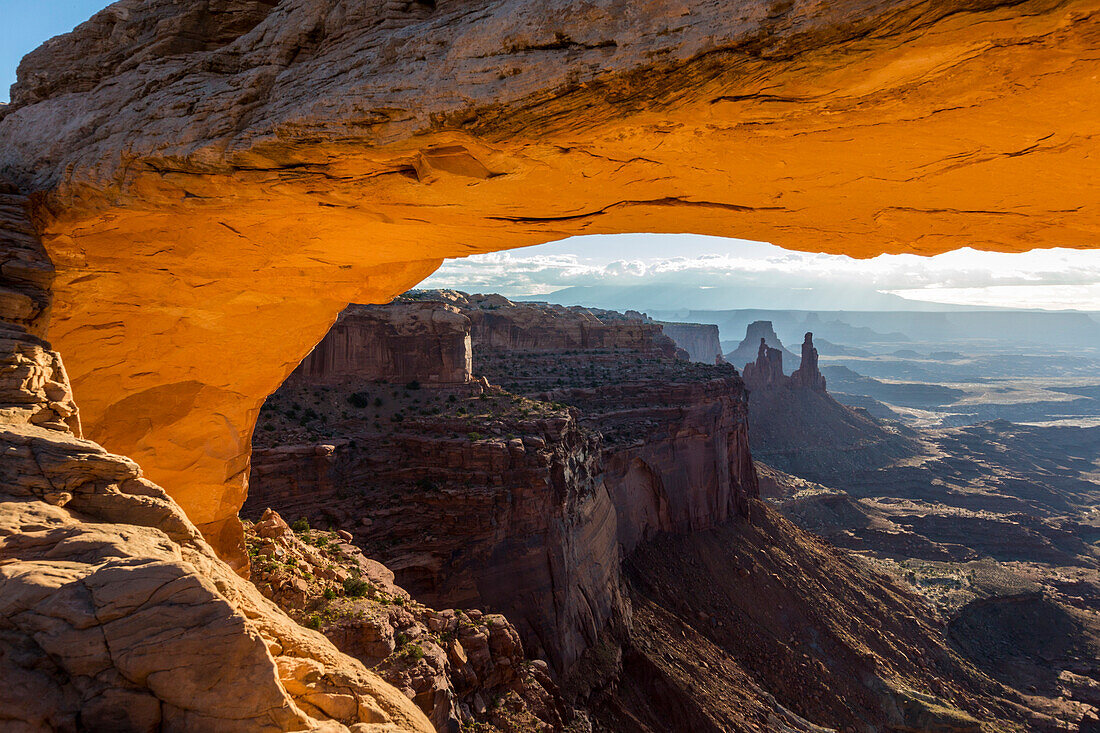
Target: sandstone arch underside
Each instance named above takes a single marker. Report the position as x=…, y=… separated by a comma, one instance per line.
x=215, y=180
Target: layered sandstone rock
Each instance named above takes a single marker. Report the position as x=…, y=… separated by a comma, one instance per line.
x=463, y=669
x=511, y=514
x=699, y=340
x=115, y=614
x=200, y=168
x=498, y=323
x=407, y=342
x=675, y=434
x=518, y=500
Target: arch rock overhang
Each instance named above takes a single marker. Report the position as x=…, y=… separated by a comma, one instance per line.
x=214, y=180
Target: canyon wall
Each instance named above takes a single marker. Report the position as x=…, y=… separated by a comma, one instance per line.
x=699, y=340
x=498, y=323
x=411, y=342
x=676, y=455
x=115, y=614
x=606, y=437
x=197, y=174
x=675, y=433
x=471, y=500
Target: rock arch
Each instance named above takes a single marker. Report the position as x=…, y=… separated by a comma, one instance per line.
x=213, y=188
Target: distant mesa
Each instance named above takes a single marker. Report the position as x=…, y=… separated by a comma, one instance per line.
x=699, y=340
x=749, y=347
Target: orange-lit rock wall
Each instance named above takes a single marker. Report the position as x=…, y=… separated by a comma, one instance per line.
x=213, y=193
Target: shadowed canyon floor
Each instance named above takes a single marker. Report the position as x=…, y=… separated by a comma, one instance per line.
x=993, y=523
x=734, y=620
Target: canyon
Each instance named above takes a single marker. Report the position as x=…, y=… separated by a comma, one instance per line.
x=194, y=180
x=667, y=458
x=197, y=190
x=992, y=523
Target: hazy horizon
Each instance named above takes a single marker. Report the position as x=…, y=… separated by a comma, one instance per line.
x=694, y=271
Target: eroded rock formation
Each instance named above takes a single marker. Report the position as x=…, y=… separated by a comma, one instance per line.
x=699, y=340
x=808, y=376
x=510, y=509
x=198, y=169
x=767, y=371
x=408, y=342
x=463, y=669
x=115, y=614
x=519, y=498
x=796, y=426
x=756, y=333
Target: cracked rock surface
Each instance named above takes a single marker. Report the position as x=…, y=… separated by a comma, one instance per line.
x=200, y=167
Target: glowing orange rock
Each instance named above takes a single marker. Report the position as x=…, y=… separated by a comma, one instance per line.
x=213, y=192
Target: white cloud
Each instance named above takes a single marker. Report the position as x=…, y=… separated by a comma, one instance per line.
x=1056, y=278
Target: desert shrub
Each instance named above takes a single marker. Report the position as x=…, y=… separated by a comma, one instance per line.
x=413, y=385
x=378, y=402
x=411, y=651
x=397, y=417
x=313, y=622
x=329, y=594
x=357, y=587
x=300, y=525
x=360, y=400
x=426, y=484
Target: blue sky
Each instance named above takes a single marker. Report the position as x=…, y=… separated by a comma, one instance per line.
x=25, y=24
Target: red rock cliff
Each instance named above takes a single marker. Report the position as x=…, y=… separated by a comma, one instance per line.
x=499, y=323
x=401, y=342
x=676, y=449
x=474, y=498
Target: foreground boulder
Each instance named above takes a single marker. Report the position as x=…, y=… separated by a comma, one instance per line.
x=462, y=668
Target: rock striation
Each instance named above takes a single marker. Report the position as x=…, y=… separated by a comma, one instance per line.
x=510, y=506
x=498, y=323
x=675, y=433
x=115, y=614
x=407, y=342
x=197, y=170
x=605, y=437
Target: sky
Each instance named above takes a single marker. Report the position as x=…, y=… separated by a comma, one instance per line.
x=25, y=24
x=1050, y=279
